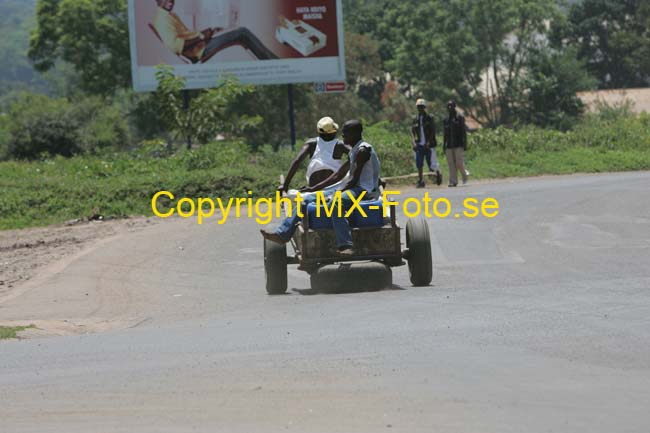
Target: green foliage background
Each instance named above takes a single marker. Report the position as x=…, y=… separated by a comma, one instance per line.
x=78, y=142
x=116, y=184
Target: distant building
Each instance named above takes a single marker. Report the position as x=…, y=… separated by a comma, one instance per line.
x=638, y=99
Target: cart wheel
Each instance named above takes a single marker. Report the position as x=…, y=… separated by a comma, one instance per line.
x=275, y=267
x=418, y=243
x=354, y=278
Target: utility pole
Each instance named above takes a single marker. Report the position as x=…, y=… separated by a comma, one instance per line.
x=186, y=107
x=292, y=119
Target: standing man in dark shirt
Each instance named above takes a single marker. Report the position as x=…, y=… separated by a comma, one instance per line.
x=455, y=144
x=424, y=142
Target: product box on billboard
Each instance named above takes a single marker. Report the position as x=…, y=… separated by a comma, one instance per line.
x=301, y=36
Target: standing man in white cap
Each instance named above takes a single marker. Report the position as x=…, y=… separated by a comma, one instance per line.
x=423, y=130
x=325, y=153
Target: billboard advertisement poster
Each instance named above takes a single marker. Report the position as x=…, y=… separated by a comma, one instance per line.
x=256, y=41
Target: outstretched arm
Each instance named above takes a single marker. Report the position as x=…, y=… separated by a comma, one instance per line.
x=306, y=150
x=204, y=36
x=414, y=138
x=211, y=31
x=190, y=43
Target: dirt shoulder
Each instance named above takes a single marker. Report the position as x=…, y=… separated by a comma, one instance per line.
x=25, y=253
x=30, y=257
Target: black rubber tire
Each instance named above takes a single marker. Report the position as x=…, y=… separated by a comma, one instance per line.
x=275, y=268
x=418, y=243
x=352, y=278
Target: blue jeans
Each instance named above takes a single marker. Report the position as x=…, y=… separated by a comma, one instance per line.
x=290, y=224
x=341, y=225
x=421, y=154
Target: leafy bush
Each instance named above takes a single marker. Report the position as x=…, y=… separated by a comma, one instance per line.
x=5, y=136
x=154, y=149
x=104, y=125
x=206, y=115
x=612, y=112
x=38, y=124
x=550, y=87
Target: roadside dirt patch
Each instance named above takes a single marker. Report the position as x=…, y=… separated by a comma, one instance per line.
x=24, y=253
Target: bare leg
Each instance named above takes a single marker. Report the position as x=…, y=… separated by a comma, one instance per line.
x=453, y=170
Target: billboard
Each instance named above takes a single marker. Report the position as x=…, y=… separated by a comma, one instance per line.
x=257, y=41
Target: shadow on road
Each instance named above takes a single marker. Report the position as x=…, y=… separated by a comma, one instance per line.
x=340, y=291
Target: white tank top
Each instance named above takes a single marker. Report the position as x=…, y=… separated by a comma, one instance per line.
x=323, y=158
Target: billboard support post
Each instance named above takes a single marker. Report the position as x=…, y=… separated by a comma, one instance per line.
x=292, y=120
x=186, y=107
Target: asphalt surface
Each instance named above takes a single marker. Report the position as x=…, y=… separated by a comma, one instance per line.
x=537, y=321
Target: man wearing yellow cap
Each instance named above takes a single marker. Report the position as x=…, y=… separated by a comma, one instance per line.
x=325, y=153
x=424, y=143
x=362, y=181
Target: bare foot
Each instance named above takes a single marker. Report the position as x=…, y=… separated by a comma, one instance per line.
x=346, y=252
x=273, y=237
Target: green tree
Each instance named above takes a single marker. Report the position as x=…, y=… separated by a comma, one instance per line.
x=364, y=67
x=613, y=37
x=508, y=33
x=206, y=115
x=550, y=86
x=272, y=102
x=371, y=18
x=90, y=35
x=479, y=52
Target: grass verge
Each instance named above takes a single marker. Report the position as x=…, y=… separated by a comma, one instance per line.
x=120, y=184
x=9, y=332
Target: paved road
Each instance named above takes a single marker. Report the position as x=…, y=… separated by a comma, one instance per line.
x=538, y=321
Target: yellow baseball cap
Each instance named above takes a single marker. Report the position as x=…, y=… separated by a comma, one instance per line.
x=327, y=126
x=420, y=102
